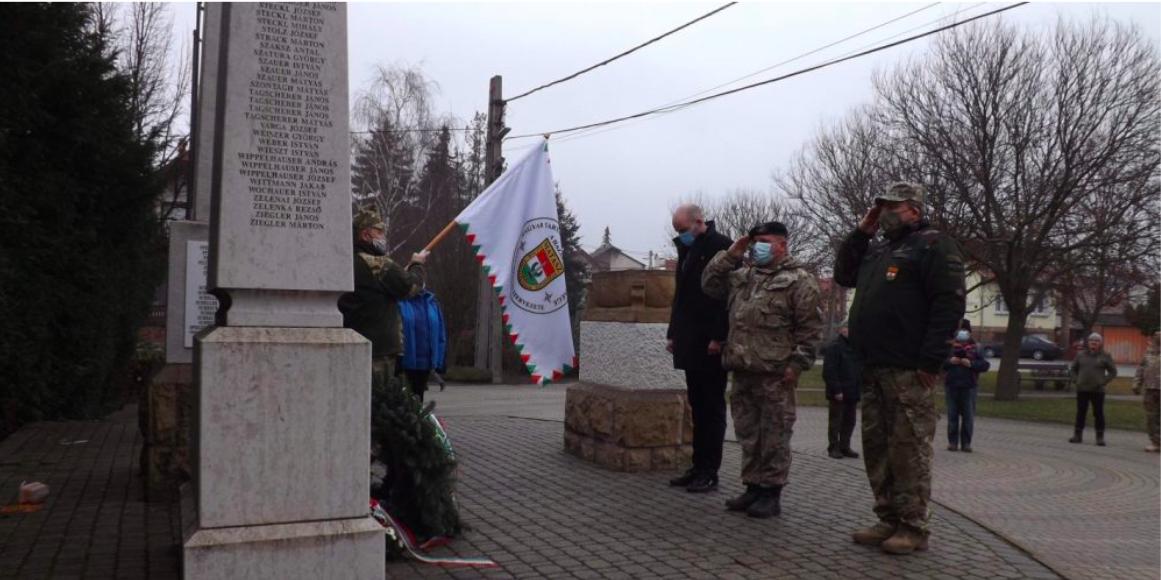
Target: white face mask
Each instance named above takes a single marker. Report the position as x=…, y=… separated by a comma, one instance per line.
x=963, y=336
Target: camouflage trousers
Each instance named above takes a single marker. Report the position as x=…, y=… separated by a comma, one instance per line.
x=1153, y=415
x=764, y=411
x=898, y=427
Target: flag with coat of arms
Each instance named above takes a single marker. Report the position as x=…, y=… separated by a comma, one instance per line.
x=514, y=230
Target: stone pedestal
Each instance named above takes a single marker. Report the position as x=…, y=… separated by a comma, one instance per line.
x=628, y=429
x=281, y=476
x=629, y=412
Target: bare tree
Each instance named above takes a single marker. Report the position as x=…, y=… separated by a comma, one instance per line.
x=1017, y=135
x=1039, y=153
x=397, y=130
x=1119, y=255
x=141, y=42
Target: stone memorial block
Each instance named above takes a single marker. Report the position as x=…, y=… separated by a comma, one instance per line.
x=629, y=411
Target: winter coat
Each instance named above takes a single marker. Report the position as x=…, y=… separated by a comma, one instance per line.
x=909, y=296
x=959, y=376
x=1092, y=371
x=775, y=321
x=380, y=283
x=697, y=318
x=424, y=335
x=841, y=370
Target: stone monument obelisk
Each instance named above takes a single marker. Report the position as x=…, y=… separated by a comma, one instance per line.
x=282, y=430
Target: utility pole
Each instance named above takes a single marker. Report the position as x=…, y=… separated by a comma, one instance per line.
x=191, y=167
x=488, y=337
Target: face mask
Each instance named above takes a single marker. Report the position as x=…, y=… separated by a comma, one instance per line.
x=890, y=221
x=686, y=237
x=963, y=336
x=380, y=246
x=760, y=253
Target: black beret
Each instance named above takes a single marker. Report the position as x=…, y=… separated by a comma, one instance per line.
x=769, y=229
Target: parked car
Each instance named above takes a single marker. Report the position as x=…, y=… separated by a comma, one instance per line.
x=1032, y=346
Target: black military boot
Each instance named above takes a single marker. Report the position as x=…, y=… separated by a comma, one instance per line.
x=1100, y=439
x=769, y=505
x=745, y=500
x=703, y=483
x=848, y=452
x=1077, y=437
x=684, y=479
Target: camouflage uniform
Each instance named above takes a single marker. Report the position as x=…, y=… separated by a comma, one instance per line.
x=774, y=323
x=908, y=303
x=1148, y=379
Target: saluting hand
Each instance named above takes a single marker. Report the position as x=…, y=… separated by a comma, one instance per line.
x=870, y=222
x=738, y=250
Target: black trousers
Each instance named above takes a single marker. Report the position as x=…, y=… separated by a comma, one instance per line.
x=707, y=398
x=1098, y=410
x=418, y=381
x=841, y=423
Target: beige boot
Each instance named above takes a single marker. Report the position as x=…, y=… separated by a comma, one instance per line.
x=1152, y=448
x=874, y=535
x=905, y=541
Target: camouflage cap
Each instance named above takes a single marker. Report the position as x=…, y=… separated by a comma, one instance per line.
x=904, y=191
x=368, y=218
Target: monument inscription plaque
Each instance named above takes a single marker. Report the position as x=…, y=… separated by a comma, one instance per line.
x=282, y=218
x=200, y=306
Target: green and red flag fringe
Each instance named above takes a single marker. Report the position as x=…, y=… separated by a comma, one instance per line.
x=541, y=379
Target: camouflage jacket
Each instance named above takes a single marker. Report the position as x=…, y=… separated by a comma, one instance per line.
x=1149, y=373
x=909, y=296
x=372, y=309
x=774, y=315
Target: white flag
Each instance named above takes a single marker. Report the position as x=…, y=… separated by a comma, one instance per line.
x=514, y=230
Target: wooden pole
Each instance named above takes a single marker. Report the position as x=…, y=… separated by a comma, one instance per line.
x=488, y=337
x=440, y=236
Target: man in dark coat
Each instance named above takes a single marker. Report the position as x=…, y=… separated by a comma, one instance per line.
x=841, y=372
x=697, y=331
x=380, y=283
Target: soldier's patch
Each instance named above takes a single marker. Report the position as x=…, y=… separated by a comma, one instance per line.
x=892, y=271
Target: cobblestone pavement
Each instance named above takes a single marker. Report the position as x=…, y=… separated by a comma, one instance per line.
x=541, y=513
x=98, y=521
x=1085, y=511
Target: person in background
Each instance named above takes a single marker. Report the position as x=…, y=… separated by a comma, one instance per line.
x=841, y=373
x=1092, y=370
x=424, y=340
x=1148, y=379
x=960, y=386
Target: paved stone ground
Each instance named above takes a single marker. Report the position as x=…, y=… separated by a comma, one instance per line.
x=98, y=521
x=541, y=513
x=1085, y=511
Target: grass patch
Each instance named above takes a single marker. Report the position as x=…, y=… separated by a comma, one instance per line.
x=1127, y=415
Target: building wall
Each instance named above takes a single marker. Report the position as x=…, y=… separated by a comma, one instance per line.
x=1126, y=344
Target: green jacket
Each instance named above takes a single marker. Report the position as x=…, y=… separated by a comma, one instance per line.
x=773, y=310
x=1092, y=371
x=372, y=309
x=909, y=296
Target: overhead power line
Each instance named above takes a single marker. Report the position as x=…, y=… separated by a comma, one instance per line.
x=452, y=129
x=623, y=54
x=826, y=64
x=593, y=132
